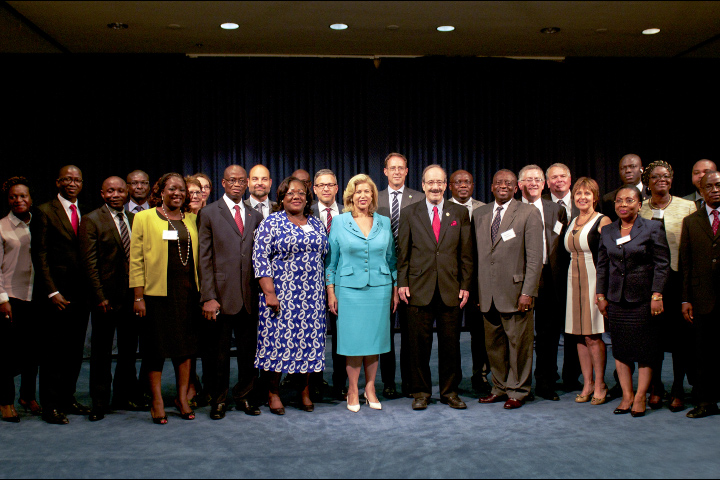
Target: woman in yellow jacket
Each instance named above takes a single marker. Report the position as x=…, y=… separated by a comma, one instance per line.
x=163, y=274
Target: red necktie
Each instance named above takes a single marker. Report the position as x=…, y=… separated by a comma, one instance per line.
x=716, y=222
x=329, y=219
x=74, y=219
x=238, y=220
x=436, y=224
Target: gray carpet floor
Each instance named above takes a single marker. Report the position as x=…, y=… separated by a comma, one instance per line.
x=543, y=439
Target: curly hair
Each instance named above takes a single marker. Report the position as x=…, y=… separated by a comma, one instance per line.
x=649, y=169
x=155, y=198
x=12, y=181
x=282, y=191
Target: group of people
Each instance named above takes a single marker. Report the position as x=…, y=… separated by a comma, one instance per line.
x=180, y=277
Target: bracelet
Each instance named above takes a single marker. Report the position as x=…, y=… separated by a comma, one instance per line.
x=139, y=299
x=657, y=297
x=600, y=299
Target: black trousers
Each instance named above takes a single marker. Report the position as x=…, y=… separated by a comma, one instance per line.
x=707, y=366
x=475, y=324
x=388, y=361
x=549, y=323
x=125, y=385
x=64, y=341
x=20, y=352
x=419, y=346
x=215, y=351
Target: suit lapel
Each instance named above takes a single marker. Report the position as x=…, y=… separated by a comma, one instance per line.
x=424, y=220
x=445, y=221
x=507, y=220
x=109, y=222
x=408, y=197
x=225, y=213
x=255, y=216
x=704, y=221
x=62, y=216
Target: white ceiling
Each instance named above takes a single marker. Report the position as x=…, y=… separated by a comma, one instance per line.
x=689, y=29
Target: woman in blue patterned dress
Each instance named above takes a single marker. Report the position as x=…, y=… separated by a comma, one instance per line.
x=288, y=257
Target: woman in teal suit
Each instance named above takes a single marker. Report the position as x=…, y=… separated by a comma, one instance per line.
x=361, y=280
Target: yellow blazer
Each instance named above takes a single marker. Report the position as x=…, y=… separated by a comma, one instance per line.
x=149, y=252
x=678, y=209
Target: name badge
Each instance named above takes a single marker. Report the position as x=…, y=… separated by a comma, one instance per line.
x=509, y=235
x=658, y=214
x=558, y=228
x=307, y=228
x=623, y=240
x=170, y=235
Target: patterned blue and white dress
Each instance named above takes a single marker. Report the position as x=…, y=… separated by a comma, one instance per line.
x=292, y=341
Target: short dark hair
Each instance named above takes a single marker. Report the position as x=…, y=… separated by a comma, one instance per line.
x=282, y=191
x=632, y=188
x=155, y=198
x=505, y=170
x=387, y=159
x=588, y=184
x=12, y=181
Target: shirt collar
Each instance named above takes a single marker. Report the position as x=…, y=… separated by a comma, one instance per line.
x=16, y=221
x=132, y=205
x=115, y=213
x=537, y=203
x=466, y=204
x=401, y=190
x=430, y=206
x=231, y=204
x=66, y=203
x=504, y=205
x=710, y=210
x=566, y=199
x=333, y=207
x=254, y=201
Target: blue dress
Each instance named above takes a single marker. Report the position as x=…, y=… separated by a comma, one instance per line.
x=292, y=341
x=363, y=271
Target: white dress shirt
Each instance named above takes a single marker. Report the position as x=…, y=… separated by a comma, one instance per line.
x=567, y=200
x=503, y=212
x=66, y=205
x=119, y=216
x=334, y=211
x=709, y=212
x=399, y=197
x=231, y=205
x=430, y=207
x=265, y=208
x=132, y=206
x=468, y=204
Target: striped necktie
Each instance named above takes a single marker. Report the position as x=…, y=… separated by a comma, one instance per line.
x=496, y=224
x=395, y=215
x=329, y=219
x=124, y=234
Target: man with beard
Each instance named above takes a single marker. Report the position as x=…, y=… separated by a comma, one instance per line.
x=259, y=184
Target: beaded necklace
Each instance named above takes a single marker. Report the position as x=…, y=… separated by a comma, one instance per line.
x=182, y=217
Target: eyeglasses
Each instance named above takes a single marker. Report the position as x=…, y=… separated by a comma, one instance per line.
x=206, y=188
x=462, y=184
x=532, y=180
x=663, y=177
x=396, y=169
x=323, y=186
x=711, y=186
x=628, y=201
x=435, y=183
x=236, y=181
x=69, y=180
x=195, y=193
x=504, y=183
x=293, y=193
x=138, y=183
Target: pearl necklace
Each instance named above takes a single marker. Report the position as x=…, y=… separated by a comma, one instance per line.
x=182, y=217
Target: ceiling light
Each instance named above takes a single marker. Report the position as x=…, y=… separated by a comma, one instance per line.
x=117, y=26
x=550, y=30
x=446, y=28
x=651, y=31
x=339, y=26
x=393, y=27
x=229, y=26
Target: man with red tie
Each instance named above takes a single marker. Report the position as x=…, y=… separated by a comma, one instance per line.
x=435, y=268
x=62, y=296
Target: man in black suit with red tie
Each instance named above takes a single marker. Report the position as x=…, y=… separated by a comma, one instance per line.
x=700, y=268
x=229, y=294
x=61, y=293
x=105, y=246
x=435, y=268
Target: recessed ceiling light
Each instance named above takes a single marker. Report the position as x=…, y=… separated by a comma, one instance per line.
x=229, y=26
x=393, y=27
x=550, y=30
x=446, y=28
x=174, y=26
x=339, y=26
x=651, y=31
x=117, y=26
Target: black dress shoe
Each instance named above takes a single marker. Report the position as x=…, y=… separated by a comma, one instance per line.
x=547, y=393
x=97, y=414
x=454, y=402
x=340, y=393
x=389, y=393
x=76, y=408
x=55, y=417
x=492, y=398
x=635, y=414
x=420, y=403
x=621, y=411
x=217, y=412
x=244, y=405
x=703, y=411
x=482, y=388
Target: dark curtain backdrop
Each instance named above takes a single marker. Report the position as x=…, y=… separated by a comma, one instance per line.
x=111, y=114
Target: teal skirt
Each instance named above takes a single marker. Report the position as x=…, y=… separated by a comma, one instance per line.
x=363, y=323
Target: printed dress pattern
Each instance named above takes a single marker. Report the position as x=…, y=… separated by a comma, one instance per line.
x=292, y=341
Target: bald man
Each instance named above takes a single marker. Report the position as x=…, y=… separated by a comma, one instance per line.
x=259, y=185
x=60, y=293
x=105, y=246
x=631, y=170
x=304, y=175
x=700, y=169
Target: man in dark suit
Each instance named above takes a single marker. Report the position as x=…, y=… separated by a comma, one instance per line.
x=138, y=183
x=61, y=289
x=434, y=276
x=509, y=244
x=700, y=268
x=631, y=174
x=228, y=294
x=391, y=203
x=700, y=169
x=549, y=308
x=105, y=246
x=259, y=184
x=559, y=182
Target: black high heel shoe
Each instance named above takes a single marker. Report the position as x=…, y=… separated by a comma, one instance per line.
x=184, y=416
x=159, y=420
x=32, y=406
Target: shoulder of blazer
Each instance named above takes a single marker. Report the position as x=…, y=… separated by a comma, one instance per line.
x=609, y=197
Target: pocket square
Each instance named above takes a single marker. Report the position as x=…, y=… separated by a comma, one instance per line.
x=453, y=223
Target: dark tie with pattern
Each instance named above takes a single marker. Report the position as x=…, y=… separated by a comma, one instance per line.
x=329, y=219
x=138, y=208
x=395, y=215
x=716, y=222
x=700, y=203
x=238, y=220
x=561, y=203
x=496, y=224
x=124, y=234
x=259, y=208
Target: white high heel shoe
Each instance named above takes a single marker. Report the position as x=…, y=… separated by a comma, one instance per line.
x=373, y=405
x=353, y=408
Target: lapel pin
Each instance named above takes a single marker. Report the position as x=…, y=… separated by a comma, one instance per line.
x=409, y=196
x=447, y=214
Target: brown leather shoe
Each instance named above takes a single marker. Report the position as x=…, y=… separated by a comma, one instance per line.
x=512, y=404
x=492, y=398
x=454, y=402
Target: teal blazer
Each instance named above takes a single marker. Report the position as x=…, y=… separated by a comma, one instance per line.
x=355, y=261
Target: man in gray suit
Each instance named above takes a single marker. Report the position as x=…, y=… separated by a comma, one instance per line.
x=259, y=183
x=509, y=243
x=461, y=186
x=699, y=170
x=228, y=293
x=391, y=202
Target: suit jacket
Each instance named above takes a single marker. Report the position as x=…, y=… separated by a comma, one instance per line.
x=508, y=268
x=558, y=257
x=424, y=263
x=315, y=209
x=409, y=197
x=607, y=206
x=574, y=210
x=475, y=203
x=700, y=263
x=355, y=261
x=699, y=202
x=225, y=267
x=56, y=253
x=272, y=205
x=634, y=270
x=103, y=256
